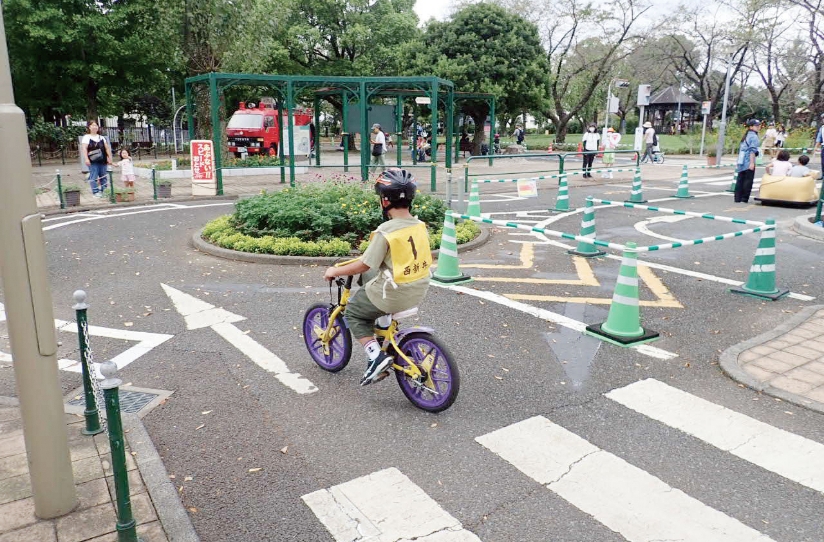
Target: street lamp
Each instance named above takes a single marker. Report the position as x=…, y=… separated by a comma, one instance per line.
x=722, y=128
x=620, y=83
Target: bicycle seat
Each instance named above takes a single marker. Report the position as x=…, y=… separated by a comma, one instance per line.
x=405, y=314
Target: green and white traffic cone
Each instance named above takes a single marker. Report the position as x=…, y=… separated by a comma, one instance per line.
x=761, y=280
x=734, y=180
x=587, y=250
x=684, y=185
x=623, y=325
x=636, y=195
x=474, y=207
x=562, y=201
x=448, y=271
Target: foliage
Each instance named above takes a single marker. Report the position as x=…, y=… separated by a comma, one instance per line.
x=323, y=211
x=253, y=160
x=484, y=49
x=166, y=165
x=48, y=135
x=465, y=231
x=222, y=233
x=70, y=188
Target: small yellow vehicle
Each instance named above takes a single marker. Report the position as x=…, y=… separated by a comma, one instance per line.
x=789, y=191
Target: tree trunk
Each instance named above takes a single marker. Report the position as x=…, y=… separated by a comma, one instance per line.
x=478, y=139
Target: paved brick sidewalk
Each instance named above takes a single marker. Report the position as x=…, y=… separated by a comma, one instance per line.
x=94, y=519
x=787, y=362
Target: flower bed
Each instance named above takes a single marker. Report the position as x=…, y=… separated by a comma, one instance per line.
x=318, y=220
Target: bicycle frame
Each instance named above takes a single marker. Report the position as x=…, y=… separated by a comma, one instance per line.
x=388, y=335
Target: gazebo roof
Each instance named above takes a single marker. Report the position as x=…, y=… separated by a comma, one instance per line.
x=669, y=96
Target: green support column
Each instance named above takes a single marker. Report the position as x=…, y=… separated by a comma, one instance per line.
x=433, y=107
x=290, y=122
x=216, y=132
x=189, y=113
x=365, y=146
x=399, y=127
x=317, y=130
x=414, y=134
x=491, y=130
x=449, y=127
x=280, y=139
x=344, y=129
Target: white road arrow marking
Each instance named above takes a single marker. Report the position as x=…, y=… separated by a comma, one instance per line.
x=642, y=226
x=199, y=314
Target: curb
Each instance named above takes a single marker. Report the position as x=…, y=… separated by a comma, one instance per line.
x=272, y=259
x=170, y=511
x=173, y=517
x=806, y=228
x=729, y=362
x=87, y=208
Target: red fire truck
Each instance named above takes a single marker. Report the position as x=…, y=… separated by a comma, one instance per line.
x=253, y=129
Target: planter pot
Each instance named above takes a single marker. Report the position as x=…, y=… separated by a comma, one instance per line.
x=164, y=191
x=711, y=160
x=121, y=197
x=72, y=198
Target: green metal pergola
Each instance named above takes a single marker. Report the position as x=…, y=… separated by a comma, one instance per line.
x=291, y=88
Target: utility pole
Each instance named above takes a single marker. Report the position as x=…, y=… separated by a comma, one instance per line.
x=29, y=313
x=722, y=128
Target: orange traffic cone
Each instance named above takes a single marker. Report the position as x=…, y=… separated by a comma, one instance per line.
x=549, y=147
x=580, y=149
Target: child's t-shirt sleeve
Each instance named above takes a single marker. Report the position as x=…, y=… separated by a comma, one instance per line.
x=376, y=251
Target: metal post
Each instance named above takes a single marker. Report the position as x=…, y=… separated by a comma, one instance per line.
x=462, y=188
x=449, y=188
x=722, y=128
x=703, y=133
x=60, y=190
x=91, y=413
x=290, y=110
x=399, y=128
x=316, y=139
x=820, y=204
x=154, y=184
x=344, y=127
x=414, y=134
x=216, y=132
x=433, y=109
x=28, y=304
x=491, y=131
x=126, y=525
x=606, y=111
x=449, y=126
x=365, y=153
x=110, y=175
x=280, y=140
x=63, y=155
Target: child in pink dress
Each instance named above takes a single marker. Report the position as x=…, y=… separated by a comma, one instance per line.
x=126, y=168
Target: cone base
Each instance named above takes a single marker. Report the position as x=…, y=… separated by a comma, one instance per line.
x=647, y=336
x=587, y=254
x=557, y=210
x=639, y=201
x=772, y=296
x=731, y=190
x=451, y=281
x=682, y=197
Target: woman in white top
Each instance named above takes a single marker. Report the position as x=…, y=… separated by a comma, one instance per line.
x=590, y=144
x=98, y=155
x=781, y=166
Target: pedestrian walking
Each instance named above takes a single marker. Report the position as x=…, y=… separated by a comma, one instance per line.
x=649, y=142
x=819, y=144
x=378, y=142
x=97, y=154
x=745, y=164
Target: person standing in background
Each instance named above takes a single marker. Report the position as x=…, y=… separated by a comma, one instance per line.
x=649, y=142
x=97, y=154
x=610, y=144
x=590, y=143
x=745, y=165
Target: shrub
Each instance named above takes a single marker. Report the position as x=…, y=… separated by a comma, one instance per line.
x=253, y=160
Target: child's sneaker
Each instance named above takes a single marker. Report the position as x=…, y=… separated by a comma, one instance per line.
x=375, y=368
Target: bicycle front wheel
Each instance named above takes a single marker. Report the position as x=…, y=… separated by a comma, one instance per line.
x=438, y=386
x=339, y=349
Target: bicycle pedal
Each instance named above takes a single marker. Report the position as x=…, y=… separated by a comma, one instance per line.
x=381, y=376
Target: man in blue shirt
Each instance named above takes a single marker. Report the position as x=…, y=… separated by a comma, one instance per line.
x=819, y=143
x=745, y=165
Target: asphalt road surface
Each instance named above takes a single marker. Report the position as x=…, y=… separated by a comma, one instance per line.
x=554, y=436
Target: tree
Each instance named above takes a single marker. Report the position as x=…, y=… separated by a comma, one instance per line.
x=815, y=34
x=484, y=49
x=82, y=56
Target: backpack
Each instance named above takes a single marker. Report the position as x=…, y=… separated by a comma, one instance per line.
x=654, y=140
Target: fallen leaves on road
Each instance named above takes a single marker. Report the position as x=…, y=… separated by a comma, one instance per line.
x=256, y=469
x=187, y=478
x=201, y=426
x=206, y=412
x=284, y=449
x=128, y=324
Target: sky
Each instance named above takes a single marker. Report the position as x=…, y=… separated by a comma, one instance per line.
x=432, y=8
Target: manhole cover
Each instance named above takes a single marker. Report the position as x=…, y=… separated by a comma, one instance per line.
x=130, y=401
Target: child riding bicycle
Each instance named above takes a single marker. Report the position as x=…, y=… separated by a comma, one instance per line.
x=394, y=269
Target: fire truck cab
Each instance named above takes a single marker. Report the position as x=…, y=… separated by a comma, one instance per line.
x=253, y=129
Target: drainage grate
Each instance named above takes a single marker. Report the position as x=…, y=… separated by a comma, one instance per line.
x=130, y=401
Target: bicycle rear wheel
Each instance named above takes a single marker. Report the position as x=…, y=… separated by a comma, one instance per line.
x=439, y=385
x=340, y=347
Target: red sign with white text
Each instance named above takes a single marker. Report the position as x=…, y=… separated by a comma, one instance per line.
x=203, y=161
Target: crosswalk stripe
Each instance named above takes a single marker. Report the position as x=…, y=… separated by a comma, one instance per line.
x=623, y=497
x=787, y=454
x=384, y=506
